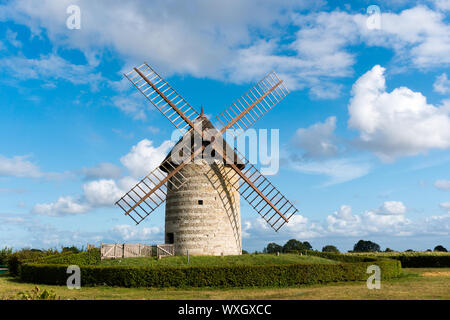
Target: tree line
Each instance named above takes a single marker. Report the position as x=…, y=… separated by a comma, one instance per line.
x=360, y=246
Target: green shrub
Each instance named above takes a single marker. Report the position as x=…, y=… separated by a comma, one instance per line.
x=342, y=257
x=209, y=276
x=330, y=248
x=18, y=258
x=91, y=257
x=14, y=265
x=36, y=294
x=366, y=246
x=5, y=253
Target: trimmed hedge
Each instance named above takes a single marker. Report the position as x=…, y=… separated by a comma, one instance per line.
x=209, y=276
x=341, y=257
x=415, y=260
x=91, y=257
x=423, y=261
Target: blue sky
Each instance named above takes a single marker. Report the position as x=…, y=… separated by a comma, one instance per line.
x=364, y=133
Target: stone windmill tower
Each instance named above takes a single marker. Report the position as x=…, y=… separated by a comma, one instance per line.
x=202, y=178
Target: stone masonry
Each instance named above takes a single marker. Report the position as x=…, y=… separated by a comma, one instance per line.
x=203, y=216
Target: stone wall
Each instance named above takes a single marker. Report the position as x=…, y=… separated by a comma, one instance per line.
x=203, y=216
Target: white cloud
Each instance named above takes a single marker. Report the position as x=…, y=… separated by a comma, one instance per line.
x=397, y=123
x=103, y=170
x=102, y=193
x=11, y=37
x=442, y=84
x=318, y=140
x=134, y=233
x=392, y=208
x=105, y=192
x=49, y=67
x=445, y=206
x=422, y=45
x=338, y=170
x=195, y=37
x=442, y=184
x=217, y=39
x=343, y=222
x=443, y=5
x=388, y=220
x=96, y=194
x=144, y=157
x=18, y=166
x=132, y=105
x=62, y=207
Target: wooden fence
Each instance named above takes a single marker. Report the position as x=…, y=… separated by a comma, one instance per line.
x=126, y=250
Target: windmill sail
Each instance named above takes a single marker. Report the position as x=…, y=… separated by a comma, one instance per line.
x=252, y=105
x=258, y=191
x=150, y=192
x=163, y=96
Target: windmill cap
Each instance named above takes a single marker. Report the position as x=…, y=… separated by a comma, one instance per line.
x=208, y=131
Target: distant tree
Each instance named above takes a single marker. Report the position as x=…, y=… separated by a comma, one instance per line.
x=307, y=245
x=71, y=249
x=388, y=250
x=244, y=252
x=293, y=245
x=366, y=246
x=409, y=250
x=330, y=248
x=428, y=250
x=440, y=248
x=273, y=248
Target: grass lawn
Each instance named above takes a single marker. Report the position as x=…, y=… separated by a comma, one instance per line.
x=423, y=283
x=246, y=259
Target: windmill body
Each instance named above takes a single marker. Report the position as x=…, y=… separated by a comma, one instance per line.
x=203, y=215
x=202, y=194
x=201, y=218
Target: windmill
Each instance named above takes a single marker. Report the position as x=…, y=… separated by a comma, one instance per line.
x=203, y=197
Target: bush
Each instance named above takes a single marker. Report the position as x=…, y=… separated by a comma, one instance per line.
x=296, y=245
x=366, y=246
x=15, y=261
x=71, y=249
x=91, y=257
x=440, y=249
x=14, y=265
x=273, y=248
x=209, y=276
x=5, y=253
x=342, y=257
x=330, y=248
x=36, y=294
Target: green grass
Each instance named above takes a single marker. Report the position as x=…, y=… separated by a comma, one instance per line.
x=253, y=259
x=414, y=284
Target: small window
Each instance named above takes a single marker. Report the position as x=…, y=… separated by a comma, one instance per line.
x=170, y=238
x=200, y=202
